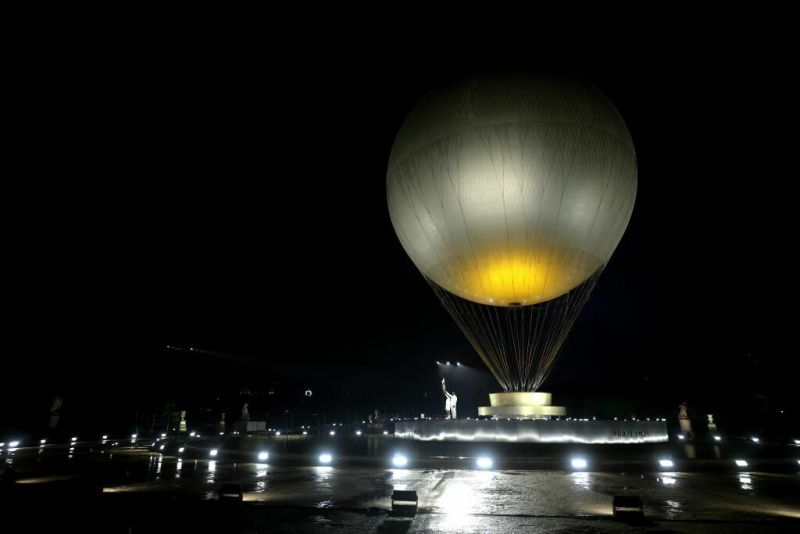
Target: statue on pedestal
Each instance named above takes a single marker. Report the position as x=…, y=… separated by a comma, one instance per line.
x=684, y=421
x=221, y=424
x=245, y=413
x=712, y=426
x=182, y=427
x=55, y=411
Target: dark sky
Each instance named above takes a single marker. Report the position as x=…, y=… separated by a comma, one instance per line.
x=233, y=198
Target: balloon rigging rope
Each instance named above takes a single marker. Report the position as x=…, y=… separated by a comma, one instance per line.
x=519, y=345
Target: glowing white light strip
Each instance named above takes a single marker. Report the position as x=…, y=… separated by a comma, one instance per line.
x=539, y=431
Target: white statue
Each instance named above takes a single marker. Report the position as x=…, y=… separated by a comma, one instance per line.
x=450, y=403
x=245, y=413
x=55, y=411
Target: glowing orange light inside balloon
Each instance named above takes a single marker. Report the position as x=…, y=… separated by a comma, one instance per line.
x=518, y=277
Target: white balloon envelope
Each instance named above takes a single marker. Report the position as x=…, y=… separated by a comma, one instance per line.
x=509, y=194
x=512, y=191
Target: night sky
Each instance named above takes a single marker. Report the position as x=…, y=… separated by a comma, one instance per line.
x=207, y=196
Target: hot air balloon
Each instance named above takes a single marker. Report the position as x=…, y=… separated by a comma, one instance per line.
x=509, y=194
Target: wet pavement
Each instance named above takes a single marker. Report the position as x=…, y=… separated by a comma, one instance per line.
x=153, y=492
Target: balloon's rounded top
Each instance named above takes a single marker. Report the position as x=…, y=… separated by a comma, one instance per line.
x=512, y=190
x=509, y=98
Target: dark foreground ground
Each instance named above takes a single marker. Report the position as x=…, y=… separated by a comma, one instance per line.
x=96, y=489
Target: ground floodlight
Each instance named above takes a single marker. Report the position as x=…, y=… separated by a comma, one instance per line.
x=181, y=449
x=213, y=452
x=717, y=438
x=665, y=462
x=332, y=432
x=263, y=455
x=484, y=462
x=399, y=460
x=13, y=444
x=42, y=441
x=755, y=439
x=325, y=458
x=231, y=492
x=305, y=433
x=579, y=463
x=741, y=463
x=358, y=432
x=628, y=507
x=385, y=432
x=681, y=436
x=404, y=502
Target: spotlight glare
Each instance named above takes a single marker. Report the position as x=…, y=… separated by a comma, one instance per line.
x=42, y=441
x=484, y=462
x=105, y=436
x=13, y=444
x=681, y=436
x=385, y=432
x=263, y=455
x=332, y=432
x=579, y=463
x=666, y=463
x=755, y=439
x=161, y=448
x=399, y=460
x=181, y=449
x=212, y=452
x=717, y=438
x=358, y=432
x=305, y=433
x=741, y=463
x=325, y=458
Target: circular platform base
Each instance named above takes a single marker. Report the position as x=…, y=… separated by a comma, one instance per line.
x=521, y=404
